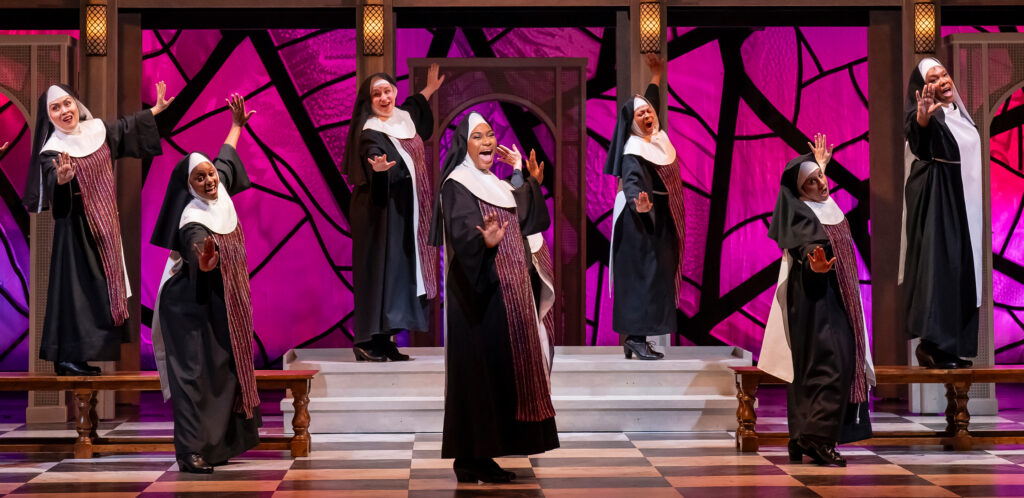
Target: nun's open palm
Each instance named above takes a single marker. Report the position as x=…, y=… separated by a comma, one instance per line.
x=493, y=231
x=207, y=254
x=822, y=151
x=926, y=103
x=65, y=168
x=239, y=116
x=819, y=262
x=643, y=203
x=536, y=170
x=381, y=164
x=511, y=157
x=162, y=102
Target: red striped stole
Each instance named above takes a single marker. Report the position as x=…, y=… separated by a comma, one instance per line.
x=673, y=181
x=95, y=175
x=533, y=394
x=425, y=200
x=849, y=286
x=234, y=272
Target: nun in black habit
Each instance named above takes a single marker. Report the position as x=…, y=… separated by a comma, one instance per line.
x=940, y=264
x=497, y=392
x=816, y=335
x=202, y=321
x=72, y=174
x=648, y=224
x=394, y=269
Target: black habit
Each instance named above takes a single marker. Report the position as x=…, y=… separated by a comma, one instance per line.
x=939, y=267
x=193, y=324
x=480, y=392
x=645, y=248
x=381, y=217
x=820, y=335
x=78, y=325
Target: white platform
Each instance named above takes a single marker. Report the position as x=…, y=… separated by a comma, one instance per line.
x=594, y=389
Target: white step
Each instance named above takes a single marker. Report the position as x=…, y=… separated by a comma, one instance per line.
x=593, y=389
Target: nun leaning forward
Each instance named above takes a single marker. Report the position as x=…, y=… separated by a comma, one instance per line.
x=497, y=392
x=816, y=336
x=202, y=321
x=394, y=269
x=72, y=174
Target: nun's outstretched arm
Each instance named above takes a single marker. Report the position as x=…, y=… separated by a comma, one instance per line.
x=135, y=135
x=239, y=118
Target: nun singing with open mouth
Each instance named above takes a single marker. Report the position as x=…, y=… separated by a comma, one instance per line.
x=72, y=174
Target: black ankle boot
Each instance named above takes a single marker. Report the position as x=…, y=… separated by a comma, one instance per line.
x=475, y=469
x=70, y=368
x=383, y=346
x=929, y=356
x=823, y=452
x=365, y=351
x=194, y=464
x=89, y=368
x=639, y=346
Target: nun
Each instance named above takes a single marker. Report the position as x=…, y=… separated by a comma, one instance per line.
x=394, y=269
x=497, y=392
x=202, y=321
x=645, y=264
x=940, y=257
x=816, y=336
x=71, y=173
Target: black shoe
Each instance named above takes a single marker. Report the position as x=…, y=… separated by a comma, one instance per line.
x=641, y=348
x=89, y=368
x=952, y=358
x=365, y=352
x=796, y=453
x=72, y=368
x=383, y=346
x=929, y=358
x=473, y=470
x=823, y=453
x=194, y=463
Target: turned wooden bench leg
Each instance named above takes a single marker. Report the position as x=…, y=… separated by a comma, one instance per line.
x=957, y=416
x=746, y=417
x=300, y=442
x=86, y=422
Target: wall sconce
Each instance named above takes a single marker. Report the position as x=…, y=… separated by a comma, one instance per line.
x=924, y=27
x=650, y=27
x=373, y=29
x=96, y=29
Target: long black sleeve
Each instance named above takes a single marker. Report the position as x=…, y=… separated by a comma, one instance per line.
x=419, y=110
x=134, y=136
x=189, y=236
x=461, y=219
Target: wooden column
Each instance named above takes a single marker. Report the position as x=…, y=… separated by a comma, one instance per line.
x=129, y=186
x=97, y=86
x=885, y=86
x=370, y=64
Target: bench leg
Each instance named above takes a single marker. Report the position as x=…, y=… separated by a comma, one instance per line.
x=300, y=443
x=957, y=416
x=85, y=424
x=746, y=417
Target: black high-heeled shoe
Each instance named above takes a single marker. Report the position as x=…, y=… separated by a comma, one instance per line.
x=932, y=358
x=823, y=453
x=365, y=352
x=796, y=453
x=494, y=467
x=643, y=349
x=383, y=346
x=71, y=368
x=473, y=470
x=194, y=463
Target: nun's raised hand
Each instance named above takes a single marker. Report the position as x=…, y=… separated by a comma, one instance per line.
x=65, y=168
x=643, y=203
x=239, y=116
x=381, y=164
x=434, y=81
x=819, y=263
x=656, y=65
x=926, y=104
x=511, y=156
x=207, y=255
x=3, y=147
x=822, y=151
x=536, y=170
x=492, y=231
x=161, y=101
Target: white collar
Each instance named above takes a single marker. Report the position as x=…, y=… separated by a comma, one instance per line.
x=828, y=212
x=92, y=134
x=658, y=151
x=484, y=185
x=399, y=125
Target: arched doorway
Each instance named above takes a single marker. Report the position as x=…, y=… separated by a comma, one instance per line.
x=554, y=90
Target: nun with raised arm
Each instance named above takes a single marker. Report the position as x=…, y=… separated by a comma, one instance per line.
x=816, y=336
x=72, y=174
x=394, y=269
x=497, y=392
x=940, y=260
x=202, y=320
x=648, y=228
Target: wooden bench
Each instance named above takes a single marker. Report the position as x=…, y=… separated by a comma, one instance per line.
x=89, y=442
x=956, y=434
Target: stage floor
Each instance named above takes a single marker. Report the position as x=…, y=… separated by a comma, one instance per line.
x=591, y=465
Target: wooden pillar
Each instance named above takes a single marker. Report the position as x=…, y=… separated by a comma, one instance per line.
x=97, y=86
x=129, y=186
x=885, y=86
x=370, y=64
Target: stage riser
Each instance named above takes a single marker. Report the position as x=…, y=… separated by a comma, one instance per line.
x=594, y=389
